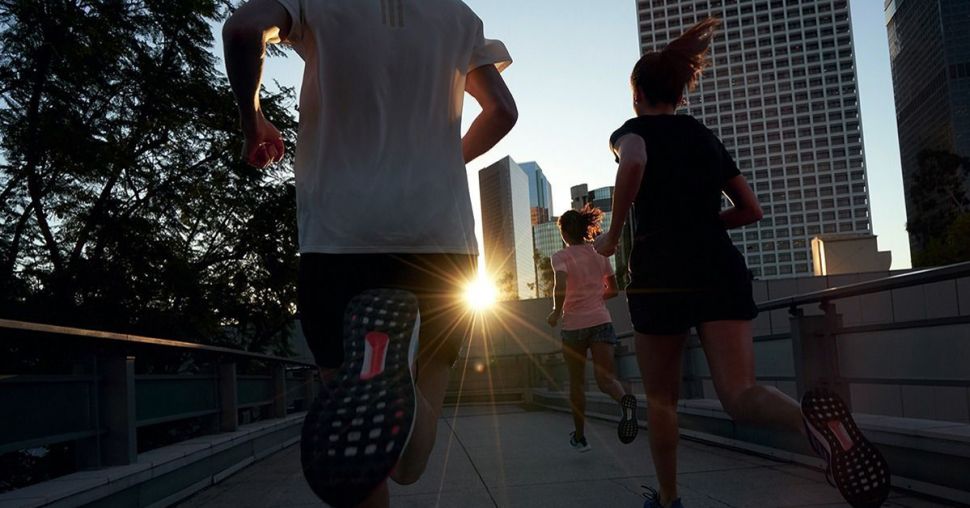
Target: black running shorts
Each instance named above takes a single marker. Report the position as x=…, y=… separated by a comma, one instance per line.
x=671, y=312
x=327, y=282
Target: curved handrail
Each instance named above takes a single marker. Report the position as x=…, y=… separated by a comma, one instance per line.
x=144, y=341
x=900, y=281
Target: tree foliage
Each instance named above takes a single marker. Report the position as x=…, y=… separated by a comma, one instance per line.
x=940, y=217
x=124, y=204
x=545, y=276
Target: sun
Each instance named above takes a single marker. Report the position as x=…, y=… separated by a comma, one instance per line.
x=481, y=294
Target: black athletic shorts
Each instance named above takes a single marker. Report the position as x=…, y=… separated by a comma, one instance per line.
x=327, y=282
x=670, y=312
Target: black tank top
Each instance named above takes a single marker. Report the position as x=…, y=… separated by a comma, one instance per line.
x=679, y=240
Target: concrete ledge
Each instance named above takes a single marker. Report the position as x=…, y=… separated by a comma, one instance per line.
x=926, y=456
x=166, y=475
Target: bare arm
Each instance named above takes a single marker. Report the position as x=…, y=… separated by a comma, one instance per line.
x=245, y=36
x=632, y=152
x=746, y=209
x=498, y=115
x=611, y=288
x=558, y=298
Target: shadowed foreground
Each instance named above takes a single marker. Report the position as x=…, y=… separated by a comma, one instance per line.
x=508, y=456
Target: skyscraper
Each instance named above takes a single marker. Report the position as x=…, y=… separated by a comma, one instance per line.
x=506, y=225
x=579, y=195
x=929, y=48
x=602, y=198
x=781, y=93
x=540, y=193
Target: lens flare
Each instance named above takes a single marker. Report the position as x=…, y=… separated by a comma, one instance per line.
x=481, y=294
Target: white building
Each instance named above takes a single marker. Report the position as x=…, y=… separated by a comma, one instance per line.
x=507, y=226
x=782, y=95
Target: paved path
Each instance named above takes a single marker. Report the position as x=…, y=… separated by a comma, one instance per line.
x=508, y=457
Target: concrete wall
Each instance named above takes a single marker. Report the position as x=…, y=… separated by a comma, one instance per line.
x=906, y=352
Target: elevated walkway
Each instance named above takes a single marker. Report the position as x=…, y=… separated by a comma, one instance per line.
x=509, y=456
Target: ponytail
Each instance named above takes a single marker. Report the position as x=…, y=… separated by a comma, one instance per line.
x=581, y=226
x=662, y=77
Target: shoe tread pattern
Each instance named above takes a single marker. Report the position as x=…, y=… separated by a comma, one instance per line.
x=861, y=473
x=355, y=430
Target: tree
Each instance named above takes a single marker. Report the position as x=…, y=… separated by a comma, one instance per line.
x=545, y=277
x=941, y=209
x=124, y=204
x=507, y=290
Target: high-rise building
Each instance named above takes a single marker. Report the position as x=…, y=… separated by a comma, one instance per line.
x=548, y=241
x=507, y=227
x=579, y=195
x=781, y=93
x=929, y=48
x=540, y=193
x=602, y=198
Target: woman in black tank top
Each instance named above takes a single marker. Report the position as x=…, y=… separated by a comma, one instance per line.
x=685, y=272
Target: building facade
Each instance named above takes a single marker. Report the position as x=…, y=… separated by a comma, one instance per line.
x=929, y=48
x=507, y=228
x=540, y=193
x=548, y=241
x=781, y=94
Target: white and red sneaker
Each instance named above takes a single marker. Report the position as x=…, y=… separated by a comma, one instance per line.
x=855, y=466
x=356, y=430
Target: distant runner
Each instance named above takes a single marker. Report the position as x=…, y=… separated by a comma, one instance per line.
x=584, y=280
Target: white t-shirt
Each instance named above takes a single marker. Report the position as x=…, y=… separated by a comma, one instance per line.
x=379, y=166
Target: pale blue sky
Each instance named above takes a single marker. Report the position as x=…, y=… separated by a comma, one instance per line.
x=572, y=60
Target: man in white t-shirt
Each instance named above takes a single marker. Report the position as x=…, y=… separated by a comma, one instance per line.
x=382, y=202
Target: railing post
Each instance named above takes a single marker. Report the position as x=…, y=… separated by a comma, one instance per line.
x=116, y=398
x=279, y=391
x=309, y=388
x=228, y=398
x=691, y=382
x=87, y=451
x=816, y=352
x=526, y=369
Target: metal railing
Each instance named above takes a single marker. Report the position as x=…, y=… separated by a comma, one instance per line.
x=814, y=337
x=102, y=406
x=901, y=281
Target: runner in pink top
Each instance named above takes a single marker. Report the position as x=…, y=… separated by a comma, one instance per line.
x=584, y=281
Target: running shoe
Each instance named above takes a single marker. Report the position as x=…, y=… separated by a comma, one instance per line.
x=356, y=430
x=580, y=445
x=653, y=500
x=854, y=465
x=628, y=428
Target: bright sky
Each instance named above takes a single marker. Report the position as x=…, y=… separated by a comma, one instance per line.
x=572, y=60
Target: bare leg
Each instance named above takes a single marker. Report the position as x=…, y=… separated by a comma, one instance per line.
x=605, y=371
x=438, y=350
x=659, y=357
x=380, y=498
x=730, y=353
x=327, y=375
x=576, y=364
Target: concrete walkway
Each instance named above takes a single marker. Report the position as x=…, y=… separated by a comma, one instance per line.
x=507, y=456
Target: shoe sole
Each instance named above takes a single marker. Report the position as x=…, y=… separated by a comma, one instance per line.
x=858, y=469
x=628, y=427
x=355, y=431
